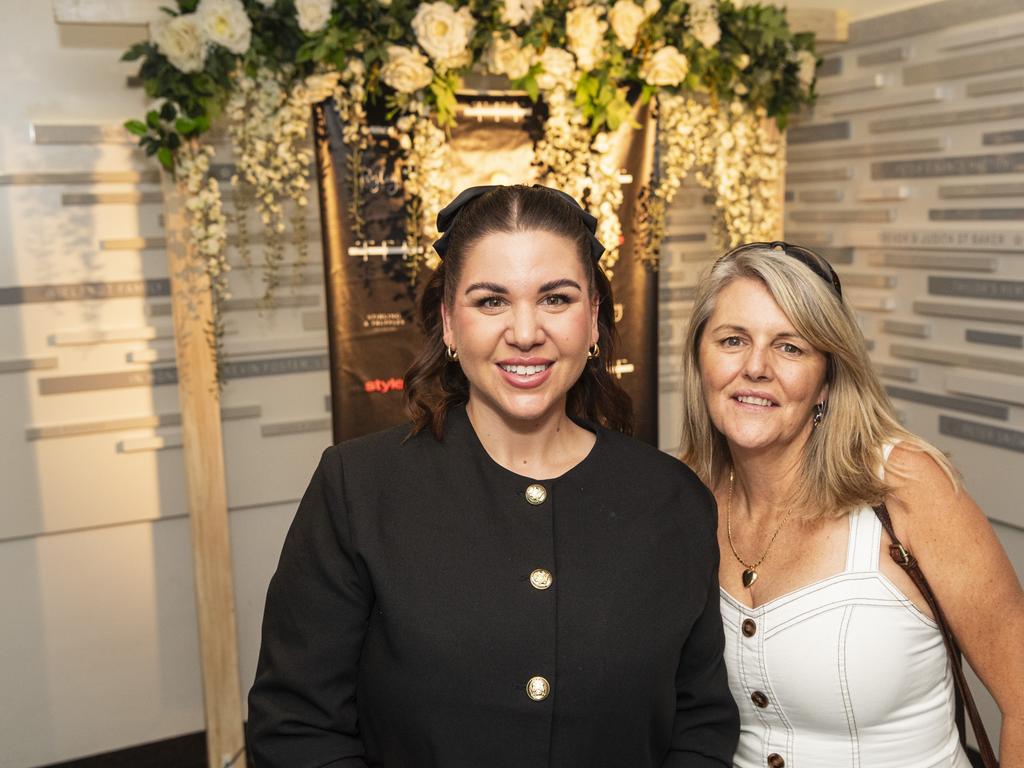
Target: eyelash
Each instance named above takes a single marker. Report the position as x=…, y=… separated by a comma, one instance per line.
x=786, y=347
x=494, y=302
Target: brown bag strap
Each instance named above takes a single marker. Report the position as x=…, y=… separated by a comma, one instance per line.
x=909, y=563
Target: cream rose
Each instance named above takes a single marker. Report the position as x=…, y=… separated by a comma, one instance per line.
x=181, y=40
x=312, y=15
x=667, y=66
x=585, y=29
x=626, y=18
x=651, y=7
x=507, y=57
x=702, y=20
x=516, y=12
x=442, y=31
x=406, y=69
x=558, y=69
x=226, y=23
x=808, y=65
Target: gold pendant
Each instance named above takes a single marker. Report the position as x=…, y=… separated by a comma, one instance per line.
x=749, y=577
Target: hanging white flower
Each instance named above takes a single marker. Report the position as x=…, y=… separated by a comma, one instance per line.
x=626, y=18
x=312, y=15
x=702, y=20
x=558, y=69
x=322, y=85
x=516, y=12
x=442, y=31
x=225, y=23
x=742, y=61
x=181, y=40
x=585, y=30
x=406, y=69
x=807, y=64
x=507, y=57
x=651, y=7
x=667, y=66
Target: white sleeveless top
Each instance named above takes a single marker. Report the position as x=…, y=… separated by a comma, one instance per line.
x=845, y=672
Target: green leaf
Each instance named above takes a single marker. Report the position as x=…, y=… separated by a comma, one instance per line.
x=136, y=127
x=153, y=119
x=185, y=125
x=166, y=158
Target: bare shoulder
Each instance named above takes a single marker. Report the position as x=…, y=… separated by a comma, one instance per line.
x=925, y=499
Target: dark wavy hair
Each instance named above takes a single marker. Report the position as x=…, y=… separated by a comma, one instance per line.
x=433, y=385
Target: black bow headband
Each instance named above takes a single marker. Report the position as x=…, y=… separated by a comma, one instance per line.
x=448, y=214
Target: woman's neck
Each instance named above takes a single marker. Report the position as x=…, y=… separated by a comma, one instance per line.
x=764, y=483
x=543, y=448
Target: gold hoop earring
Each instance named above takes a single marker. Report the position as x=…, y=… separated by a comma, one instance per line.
x=594, y=352
x=451, y=353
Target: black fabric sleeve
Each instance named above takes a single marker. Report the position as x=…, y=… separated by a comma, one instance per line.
x=302, y=706
x=707, y=722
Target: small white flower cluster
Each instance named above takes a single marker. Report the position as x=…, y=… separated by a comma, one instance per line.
x=207, y=229
x=427, y=181
x=605, y=198
x=745, y=177
x=734, y=152
x=186, y=39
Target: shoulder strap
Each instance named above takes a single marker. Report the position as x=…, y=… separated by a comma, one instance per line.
x=909, y=563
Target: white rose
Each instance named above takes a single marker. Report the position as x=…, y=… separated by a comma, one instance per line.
x=181, y=41
x=585, y=29
x=406, y=70
x=516, y=12
x=666, y=67
x=626, y=18
x=507, y=57
x=559, y=68
x=226, y=23
x=312, y=15
x=808, y=65
x=442, y=31
x=651, y=7
x=702, y=20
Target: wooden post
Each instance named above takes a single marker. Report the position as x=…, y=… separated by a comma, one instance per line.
x=207, y=494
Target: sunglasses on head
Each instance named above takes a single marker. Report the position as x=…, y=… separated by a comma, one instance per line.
x=805, y=256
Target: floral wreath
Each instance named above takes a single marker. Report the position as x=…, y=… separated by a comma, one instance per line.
x=714, y=71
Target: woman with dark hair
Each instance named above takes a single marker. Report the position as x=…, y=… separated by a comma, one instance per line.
x=514, y=581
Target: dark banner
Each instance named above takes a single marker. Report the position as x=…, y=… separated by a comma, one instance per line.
x=372, y=332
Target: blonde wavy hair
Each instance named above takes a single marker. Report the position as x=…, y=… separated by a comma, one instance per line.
x=843, y=456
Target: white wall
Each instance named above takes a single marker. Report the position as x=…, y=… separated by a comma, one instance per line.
x=98, y=649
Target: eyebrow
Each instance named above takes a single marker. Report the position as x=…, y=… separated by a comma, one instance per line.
x=742, y=329
x=548, y=286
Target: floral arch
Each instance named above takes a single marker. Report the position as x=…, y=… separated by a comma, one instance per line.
x=715, y=72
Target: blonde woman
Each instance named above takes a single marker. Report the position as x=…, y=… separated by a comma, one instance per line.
x=833, y=655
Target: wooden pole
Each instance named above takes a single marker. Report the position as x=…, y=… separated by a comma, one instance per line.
x=207, y=494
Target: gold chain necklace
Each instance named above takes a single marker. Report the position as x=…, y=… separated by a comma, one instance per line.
x=749, y=569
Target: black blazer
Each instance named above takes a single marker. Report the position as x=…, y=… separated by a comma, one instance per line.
x=402, y=626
